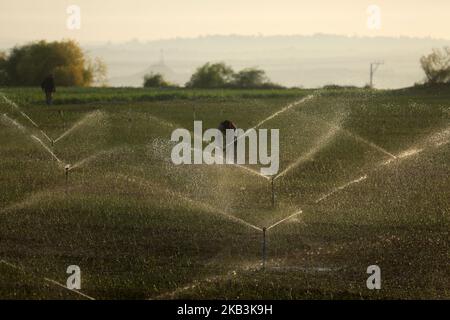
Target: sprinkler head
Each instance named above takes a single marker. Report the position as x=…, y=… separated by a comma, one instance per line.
x=67, y=168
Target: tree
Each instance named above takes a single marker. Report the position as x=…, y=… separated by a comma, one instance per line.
x=436, y=66
x=250, y=78
x=3, y=74
x=217, y=75
x=27, y=65
x=155, y=80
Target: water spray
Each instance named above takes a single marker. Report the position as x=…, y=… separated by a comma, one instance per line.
x=89, y=117
x=264, y=238
x=274, y=115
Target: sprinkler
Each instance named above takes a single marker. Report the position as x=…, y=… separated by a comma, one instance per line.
x=273, y=192
x=264, y=249
x=66, y=170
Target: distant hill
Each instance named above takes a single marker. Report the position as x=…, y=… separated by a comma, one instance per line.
x=309, y=61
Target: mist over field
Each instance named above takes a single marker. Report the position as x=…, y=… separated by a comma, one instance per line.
x=307, y=61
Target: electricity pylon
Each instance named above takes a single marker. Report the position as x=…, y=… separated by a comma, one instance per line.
x=373, y=67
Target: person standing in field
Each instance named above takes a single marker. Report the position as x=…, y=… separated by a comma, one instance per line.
x=223, y=127
x=48, y=86
x=227, y=124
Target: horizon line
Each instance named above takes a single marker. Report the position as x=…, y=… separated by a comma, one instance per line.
x=228, y=35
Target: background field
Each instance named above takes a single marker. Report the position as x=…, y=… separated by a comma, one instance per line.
x=369, y=170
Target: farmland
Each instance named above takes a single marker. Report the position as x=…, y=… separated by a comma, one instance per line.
x=363, y=180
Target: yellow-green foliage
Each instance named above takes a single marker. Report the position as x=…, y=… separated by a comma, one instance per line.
x=29, y=64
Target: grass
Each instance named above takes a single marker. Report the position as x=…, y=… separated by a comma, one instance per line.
x=71, y=95
x=141, y=228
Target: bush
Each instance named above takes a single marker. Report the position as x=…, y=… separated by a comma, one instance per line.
x=250, y=78
x=27, y=65
x=219, y=75
x=3, y=74
x=436, y=66
x=156, y=80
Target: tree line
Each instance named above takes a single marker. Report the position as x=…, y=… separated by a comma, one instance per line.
x=435, y=65
x=218, y=75
x=29, y=64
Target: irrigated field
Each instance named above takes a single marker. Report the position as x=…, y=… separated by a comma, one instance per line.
x=363, y=180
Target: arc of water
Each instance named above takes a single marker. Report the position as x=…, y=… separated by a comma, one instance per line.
x=42, y=144
x=78, y=124
x=65, y=287
x=13, y=266
x=94, y=156
x=30, y=200
x=319, y=146
x=404, y=154
x=277, y=113
x=46, y=136
x=436, y=139
x=14, y=122
x=292, y=105
x=197, y=282
x=370, y=143
x=195, y=203
x=245, y=168
x=327, y=138
x=300, y=211
x=221, y=212
x=356, y=137
x=163, y=121
x=12, y=103
x=342, y=187
x=46, y=148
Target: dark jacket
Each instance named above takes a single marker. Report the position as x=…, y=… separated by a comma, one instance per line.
x=48, y=85
x=227, y=124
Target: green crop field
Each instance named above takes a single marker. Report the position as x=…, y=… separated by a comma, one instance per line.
x=363, y=180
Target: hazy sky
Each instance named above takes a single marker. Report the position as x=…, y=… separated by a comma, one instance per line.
x=119, y=20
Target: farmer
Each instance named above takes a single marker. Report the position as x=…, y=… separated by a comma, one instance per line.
x=48, y=86
x=226, y=125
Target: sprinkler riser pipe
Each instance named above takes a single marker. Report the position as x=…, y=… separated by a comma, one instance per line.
x=264, y=253
x=67, y=169
x=273, y=192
